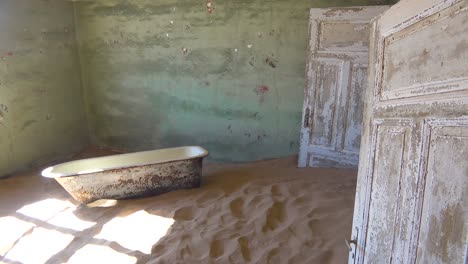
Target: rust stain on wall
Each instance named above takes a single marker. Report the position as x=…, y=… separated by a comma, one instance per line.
x=261, y=91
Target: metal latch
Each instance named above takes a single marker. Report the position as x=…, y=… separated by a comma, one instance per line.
x=349, y=242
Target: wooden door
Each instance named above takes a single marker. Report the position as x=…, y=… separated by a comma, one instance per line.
x=412, y=193
x=336, y=79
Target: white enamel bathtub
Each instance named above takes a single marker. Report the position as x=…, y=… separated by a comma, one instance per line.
x=130, y=175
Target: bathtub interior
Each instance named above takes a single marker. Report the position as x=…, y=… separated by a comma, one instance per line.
x=94, y=165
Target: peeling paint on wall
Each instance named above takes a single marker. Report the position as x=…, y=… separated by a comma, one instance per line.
x=210, y=6
x=39, y=75
x=237, y=64
x=271, y=62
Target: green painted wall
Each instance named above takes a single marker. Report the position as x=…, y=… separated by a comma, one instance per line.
x=42, y=117
x=169, y=73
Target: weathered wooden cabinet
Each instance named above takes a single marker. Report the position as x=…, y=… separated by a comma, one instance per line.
x=412, y=194
x=336, y=79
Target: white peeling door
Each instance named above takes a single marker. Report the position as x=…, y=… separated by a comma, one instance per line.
x=336, y=79
x=412, y=192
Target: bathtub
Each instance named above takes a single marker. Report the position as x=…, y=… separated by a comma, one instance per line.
x=130, y=175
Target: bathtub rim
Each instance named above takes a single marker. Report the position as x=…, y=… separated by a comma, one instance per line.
x=49, y=174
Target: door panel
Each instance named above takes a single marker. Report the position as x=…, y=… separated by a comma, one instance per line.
x=443, y=218
x=393, y=185
x=385, y=191
x=344, y=36
x=325, y=101
x=355, y=96
x=336, y=77
x=427, y=49
x=412, y=191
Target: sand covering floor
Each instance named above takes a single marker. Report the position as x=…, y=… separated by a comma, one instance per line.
x=262, y=212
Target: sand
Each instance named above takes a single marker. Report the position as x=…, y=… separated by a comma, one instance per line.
x=262, y=212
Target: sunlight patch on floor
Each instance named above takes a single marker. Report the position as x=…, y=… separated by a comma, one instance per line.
x=69, y=220
x=100, y=254
x=103, y=203
x=43, y=229
x=11, y=229
x=138, y=231
x=45, y=209
x=39, y=246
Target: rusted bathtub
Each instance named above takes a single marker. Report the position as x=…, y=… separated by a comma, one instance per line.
x=130, y=175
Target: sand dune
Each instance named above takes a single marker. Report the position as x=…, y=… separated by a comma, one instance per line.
x=263, y=212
